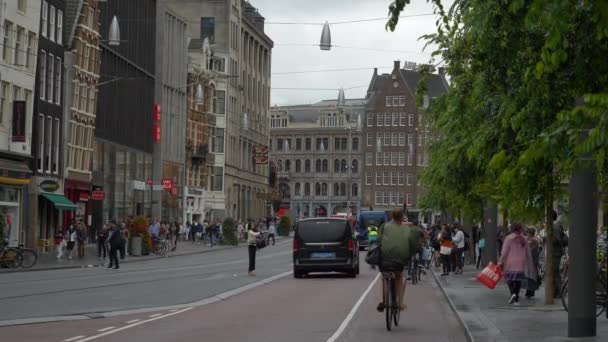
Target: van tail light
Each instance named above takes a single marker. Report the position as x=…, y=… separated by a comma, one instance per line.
x=295, y=245
x=351, y=245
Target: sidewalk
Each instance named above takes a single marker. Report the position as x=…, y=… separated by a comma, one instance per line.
x=50, y=262
x=488, y=317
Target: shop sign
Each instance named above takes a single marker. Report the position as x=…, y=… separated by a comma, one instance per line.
x=167, y=183
x=139, y=185
x=97, y=195
x=49, y=186
x=156, y=133
x=148, y=181
x=83, y=197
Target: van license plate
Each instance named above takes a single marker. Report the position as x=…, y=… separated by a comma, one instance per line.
x=322, y=255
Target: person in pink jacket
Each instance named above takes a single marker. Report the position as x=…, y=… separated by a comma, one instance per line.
x=516, y=261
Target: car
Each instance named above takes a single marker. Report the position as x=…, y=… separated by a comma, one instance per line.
x=325, y=244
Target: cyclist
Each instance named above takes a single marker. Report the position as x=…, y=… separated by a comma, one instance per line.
x=372, y=236
x=398, y=243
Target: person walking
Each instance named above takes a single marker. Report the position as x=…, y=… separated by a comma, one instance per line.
x=71, y=238
x=481, y=245
x=81, y=236
x=115, y=240
x=124, y=244
x=60, y=242
x=102, y=236
x=459, y=242
x=252, y=239
x=516, y=261
x=445, y=249
x=534, y=245
x=241, y=230
x=272, y=232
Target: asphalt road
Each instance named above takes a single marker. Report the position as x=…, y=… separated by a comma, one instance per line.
x=318, y=308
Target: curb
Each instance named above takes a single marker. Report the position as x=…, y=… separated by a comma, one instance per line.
x=203, y=302
x=464, y=326
x=130, y=260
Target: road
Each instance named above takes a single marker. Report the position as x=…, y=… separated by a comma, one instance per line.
x=318, y=308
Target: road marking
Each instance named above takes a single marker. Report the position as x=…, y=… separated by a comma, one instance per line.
x=173, y=310
x=133, y=321
x=105, y=329
x=73, y=338
x=155, y=315
x=94, y=337
x=352, y=312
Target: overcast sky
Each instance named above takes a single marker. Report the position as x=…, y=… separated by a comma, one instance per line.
x=403, y=43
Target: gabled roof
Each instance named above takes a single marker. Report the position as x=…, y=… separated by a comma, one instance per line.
x=72, y=16
x=435, y=85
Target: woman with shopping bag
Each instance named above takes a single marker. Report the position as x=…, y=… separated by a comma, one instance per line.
x=516, y=261
x=445, y=251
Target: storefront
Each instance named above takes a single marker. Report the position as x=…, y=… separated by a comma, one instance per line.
x=79, y=193
x=195, y=205
x=52, y=207
x=14, y=179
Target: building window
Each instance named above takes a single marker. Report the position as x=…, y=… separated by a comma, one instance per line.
x=219, y=103
x=409, y=199
x=58, y=81
x=401, y=101
x=30, y=52
x=395, y=119
x=59, y=27
x=298, y=166
x=308, y=144
x=370, y=119
x=299, y=144
x=317, y=189
x=393, y=198
x=4, y=100
x=354, y=190
x=419, y=140
x=307, y=166
x=40, y=154
x=400, y=178
x=369, y=159
x=318, y=165
x=218, y=178
x=402, y=118
x=409, y=179
x=400, y=197
x=378, y=158
x=307, y=189
x=394, y=178
x=418, y=160
x=76, y=100
x=52, y=23
x=426, y=159
x=395, y=139
x=378, y=177
x=394, y=158
x=401, y=158
x=7, y=43
x=387, y=138
x=379, y=119
x=378, y=197
x=45, y=16
x=20, y=36
x=355, y=144
x=368, y=178
x=355, y=166
x=387, y=158
x=280, y=145
x=370, y=139
x=208, y=29
x=409, y=159
x=22, y=5
x=410, y=120
x=395, y=101
x=342, y=189
x=387, y=197
x=387, y=119
x=51, y=78
x=297, y=189
x=325, y=167
x=401, y=138
x=287, y=165
x=410, y=140
x=389, y=101
x=387, y=178
x=48, y=139
x=56, y=125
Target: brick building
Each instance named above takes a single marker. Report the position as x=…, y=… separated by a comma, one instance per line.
x=395, y=140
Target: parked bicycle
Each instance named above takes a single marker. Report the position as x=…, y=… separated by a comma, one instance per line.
x=601, y=290
x=29, y=256
x=10, y=257
x=160, y=247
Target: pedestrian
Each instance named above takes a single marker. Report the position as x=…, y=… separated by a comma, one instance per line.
x=177, y=227
x=534, y=245
x=445, y=250
x=272, y=232
x=252, y=238
x=72, y=237
x=102, y=236
x=82, y=238
x=60, y=242
x=124, y=242
x=481, y=245
x=459, y=242
x=516, y=261
x=210, y=230
x=241, y=230
x=559, y=243
x=115, y=241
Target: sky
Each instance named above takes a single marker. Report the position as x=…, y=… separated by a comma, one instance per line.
x=403, y=44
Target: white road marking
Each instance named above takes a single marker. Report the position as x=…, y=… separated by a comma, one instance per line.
x=73, y=338
x=105, y=329
x=155, y=315
x=133, y=321
x=352, y=312
x=133, y=325
x=173, y=310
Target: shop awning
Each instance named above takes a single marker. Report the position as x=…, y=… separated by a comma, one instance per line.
x=60, y=201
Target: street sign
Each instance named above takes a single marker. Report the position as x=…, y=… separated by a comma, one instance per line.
x=167, y=184
x=97, y=195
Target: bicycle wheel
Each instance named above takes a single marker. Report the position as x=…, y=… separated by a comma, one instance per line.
x=12, y=258
x=387, y=303
x=30, y=258
x=395, y=308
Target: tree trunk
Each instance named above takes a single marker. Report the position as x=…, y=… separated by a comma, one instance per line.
x=549, y=239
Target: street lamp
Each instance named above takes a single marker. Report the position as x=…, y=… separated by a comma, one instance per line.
x=114, y=34
x=325, y=38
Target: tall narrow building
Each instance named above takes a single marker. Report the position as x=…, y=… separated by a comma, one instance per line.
x=396, y=140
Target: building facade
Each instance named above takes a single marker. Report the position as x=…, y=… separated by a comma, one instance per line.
x=19, y=26
x=396, y=140
x=316, y=151
x=123, y=145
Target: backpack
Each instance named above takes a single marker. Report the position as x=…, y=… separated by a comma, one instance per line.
x=260, y=242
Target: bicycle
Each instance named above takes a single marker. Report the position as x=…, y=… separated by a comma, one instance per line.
x=29, y=256
x=10, y=257
x=601, y=294
x=160, y=247
x=391, y=303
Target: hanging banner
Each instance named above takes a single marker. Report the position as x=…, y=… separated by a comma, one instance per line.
x=260, y=154
x=18, y=121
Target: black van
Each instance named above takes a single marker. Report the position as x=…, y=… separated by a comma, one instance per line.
x=325, y=245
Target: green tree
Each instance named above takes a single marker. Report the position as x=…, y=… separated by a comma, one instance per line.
x=284, y=226
x=229, y=232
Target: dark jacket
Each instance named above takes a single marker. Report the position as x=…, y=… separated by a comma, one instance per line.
x=115, y=237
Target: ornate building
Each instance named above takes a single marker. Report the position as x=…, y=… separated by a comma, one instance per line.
x=316, y=152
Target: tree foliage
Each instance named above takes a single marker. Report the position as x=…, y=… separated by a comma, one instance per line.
x=229, y=232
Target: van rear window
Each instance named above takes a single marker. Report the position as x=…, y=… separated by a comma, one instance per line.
x=322, y=231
